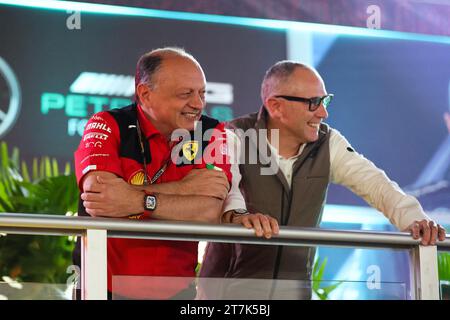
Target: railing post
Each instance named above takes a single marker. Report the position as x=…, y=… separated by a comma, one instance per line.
x=424, y=273
x=94, y=277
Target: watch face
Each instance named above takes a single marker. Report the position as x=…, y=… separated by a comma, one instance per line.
x=9, y=97
x=240, y=211
x=150, y=202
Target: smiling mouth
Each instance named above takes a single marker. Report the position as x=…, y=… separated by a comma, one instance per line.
x=315, y=125
x=191, y=115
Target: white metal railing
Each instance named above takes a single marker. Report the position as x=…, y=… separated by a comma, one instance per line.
x=95, y=231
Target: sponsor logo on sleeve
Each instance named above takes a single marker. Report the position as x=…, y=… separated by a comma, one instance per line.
x=97, y=118
x=137, y=179
x=95, y=135
x=98, y=125
x=96, y=144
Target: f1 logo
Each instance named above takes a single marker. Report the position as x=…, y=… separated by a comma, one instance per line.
x=10, y=97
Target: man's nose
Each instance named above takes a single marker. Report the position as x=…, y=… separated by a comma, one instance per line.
x=197, y=101
x=321, y=112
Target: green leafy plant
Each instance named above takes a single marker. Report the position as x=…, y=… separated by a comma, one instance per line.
x=43, y=190
x=321, y=291
x=444, y=266
x=444, y=274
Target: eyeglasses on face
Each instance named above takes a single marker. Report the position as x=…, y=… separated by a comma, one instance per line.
x=314, y=103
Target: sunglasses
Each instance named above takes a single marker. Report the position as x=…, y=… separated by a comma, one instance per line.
x=314, y=103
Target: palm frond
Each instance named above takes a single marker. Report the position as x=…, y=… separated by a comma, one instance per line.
x=317, y=280
x=41, y=259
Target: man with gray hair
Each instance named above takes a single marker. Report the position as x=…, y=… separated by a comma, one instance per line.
x=131, y=164
x=310, y=155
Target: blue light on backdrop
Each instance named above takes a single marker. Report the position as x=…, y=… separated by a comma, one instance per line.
x=210, y=18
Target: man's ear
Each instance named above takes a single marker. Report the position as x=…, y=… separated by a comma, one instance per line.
x=273, y=107
x=144, y=93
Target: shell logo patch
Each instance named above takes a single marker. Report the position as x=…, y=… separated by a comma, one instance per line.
x=137, y=179
x=190, y=150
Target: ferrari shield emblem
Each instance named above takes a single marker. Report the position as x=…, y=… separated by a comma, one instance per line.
x=190, y=150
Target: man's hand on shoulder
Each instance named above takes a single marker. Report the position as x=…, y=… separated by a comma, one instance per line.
x=428, y=231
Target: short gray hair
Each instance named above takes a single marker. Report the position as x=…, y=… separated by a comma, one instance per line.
x=150, y=63
x=278, y=73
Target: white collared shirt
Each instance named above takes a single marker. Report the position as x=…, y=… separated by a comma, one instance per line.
x=234, y=200
x=286, y=164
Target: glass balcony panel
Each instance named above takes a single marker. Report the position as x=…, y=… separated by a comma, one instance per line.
x=13, y=290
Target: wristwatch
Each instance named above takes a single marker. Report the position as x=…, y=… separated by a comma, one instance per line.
x=237, y=213
x=149, y=207
x=240, y=212
x=149, y=202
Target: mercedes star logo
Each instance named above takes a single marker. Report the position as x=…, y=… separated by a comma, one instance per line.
x=9, y=97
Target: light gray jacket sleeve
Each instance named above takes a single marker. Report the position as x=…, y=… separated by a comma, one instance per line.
x=362, y=177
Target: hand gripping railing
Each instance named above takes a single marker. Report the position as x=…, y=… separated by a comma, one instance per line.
x=95, y=231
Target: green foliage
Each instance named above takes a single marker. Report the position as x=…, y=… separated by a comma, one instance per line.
x=197, y=269
x=318, y=283
x=44, y=190
x=444, y=274
x=444, y=266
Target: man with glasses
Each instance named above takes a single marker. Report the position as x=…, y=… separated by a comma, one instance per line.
x=309, y=155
